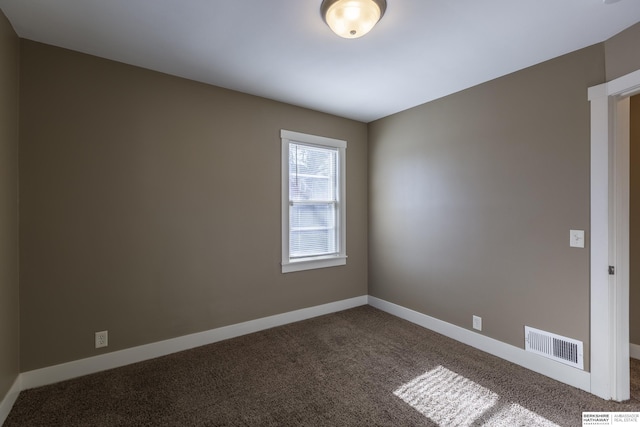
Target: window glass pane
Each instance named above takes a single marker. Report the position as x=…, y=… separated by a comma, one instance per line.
x=312, y=230
x=312, y=216
x=312, y=173
x=307, y=243
x=312, y=197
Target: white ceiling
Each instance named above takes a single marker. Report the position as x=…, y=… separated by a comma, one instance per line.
x=281, y=49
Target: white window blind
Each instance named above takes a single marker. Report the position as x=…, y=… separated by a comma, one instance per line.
x=313, y=201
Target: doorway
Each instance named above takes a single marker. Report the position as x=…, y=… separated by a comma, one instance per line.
x=610, y=197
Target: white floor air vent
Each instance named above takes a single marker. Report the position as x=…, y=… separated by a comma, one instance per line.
x=561, y=349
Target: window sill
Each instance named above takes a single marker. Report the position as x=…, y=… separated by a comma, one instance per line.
x=313, y=263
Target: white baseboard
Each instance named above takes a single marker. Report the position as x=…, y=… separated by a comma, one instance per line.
x=65, y=371
x=557, y=371
x=634, y=351
x=9, y=399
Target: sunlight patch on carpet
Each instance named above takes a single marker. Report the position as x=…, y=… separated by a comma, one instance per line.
x=515, y=415
x=446, y=397
x=450, y=399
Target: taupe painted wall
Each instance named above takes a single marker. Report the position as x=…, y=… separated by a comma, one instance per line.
x=622, y=53
x=472, y=197
x=9, y=293
x=634, y=225
x=136, y=211
x=150, y=207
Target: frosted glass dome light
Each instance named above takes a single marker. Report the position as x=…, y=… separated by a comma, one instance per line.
x=352, y=18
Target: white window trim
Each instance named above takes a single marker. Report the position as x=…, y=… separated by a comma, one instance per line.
x=290, y=265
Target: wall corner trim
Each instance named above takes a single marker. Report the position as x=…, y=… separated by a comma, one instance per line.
x=557, y=371
x=10, y=398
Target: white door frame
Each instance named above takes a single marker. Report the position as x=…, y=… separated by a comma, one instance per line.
x=610, y=236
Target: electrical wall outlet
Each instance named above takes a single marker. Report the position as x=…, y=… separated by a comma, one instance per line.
x=477, y=323
x=102, y=339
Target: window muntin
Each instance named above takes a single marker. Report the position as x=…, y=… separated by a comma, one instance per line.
x=313, y=201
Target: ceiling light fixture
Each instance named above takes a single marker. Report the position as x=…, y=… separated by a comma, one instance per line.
x=352, y=18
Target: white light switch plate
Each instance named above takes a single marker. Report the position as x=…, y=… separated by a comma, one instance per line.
x=576, y=239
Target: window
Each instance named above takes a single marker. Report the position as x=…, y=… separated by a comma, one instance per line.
x=313, y=202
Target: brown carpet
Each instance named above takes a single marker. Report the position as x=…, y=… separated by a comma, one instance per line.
x=360, y=367
x=635, y=379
